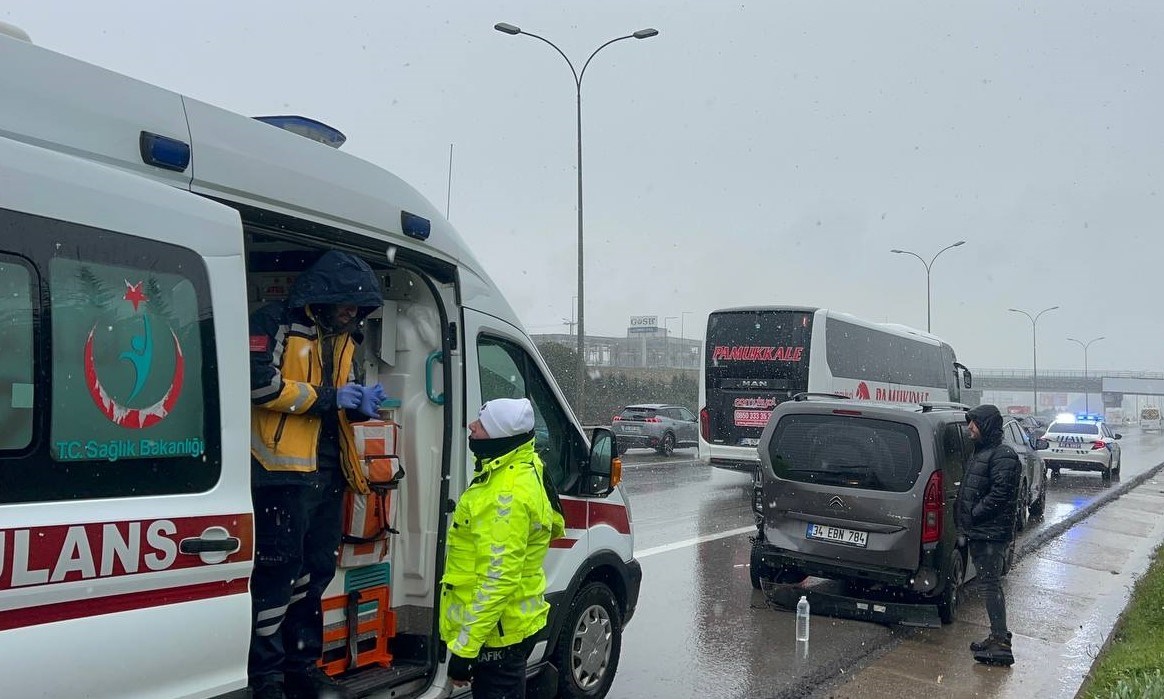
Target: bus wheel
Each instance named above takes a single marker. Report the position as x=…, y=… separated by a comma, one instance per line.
x=590, y=644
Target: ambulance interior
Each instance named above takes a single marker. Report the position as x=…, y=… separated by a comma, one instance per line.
x=383, y=595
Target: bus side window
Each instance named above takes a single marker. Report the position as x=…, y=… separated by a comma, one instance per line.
x=507, y=371
x=16, y=353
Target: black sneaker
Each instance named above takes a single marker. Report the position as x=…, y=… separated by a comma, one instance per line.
x=269, y=690
x=314, y=684
x=996, y=650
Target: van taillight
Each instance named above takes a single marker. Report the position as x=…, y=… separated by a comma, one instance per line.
x=932, y=510
x=705, y=424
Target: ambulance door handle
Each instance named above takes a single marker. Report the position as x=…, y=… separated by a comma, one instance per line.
x=214, y=546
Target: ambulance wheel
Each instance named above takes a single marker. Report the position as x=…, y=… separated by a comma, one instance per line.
x=590, y=643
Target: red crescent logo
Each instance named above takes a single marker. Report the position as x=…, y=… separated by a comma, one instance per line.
x=862, y=391
x=134, y=418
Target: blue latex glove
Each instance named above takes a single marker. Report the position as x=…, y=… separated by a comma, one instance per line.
x=370, y=400
x=349, y=397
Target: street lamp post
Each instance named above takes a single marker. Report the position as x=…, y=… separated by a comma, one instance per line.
x=928, y=266
x=683, y=335
x=667, y=339
x=1034, y=349
x=512, y=30
x=1085, y=346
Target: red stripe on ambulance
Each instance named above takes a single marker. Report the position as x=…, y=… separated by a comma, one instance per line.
x=79, y=609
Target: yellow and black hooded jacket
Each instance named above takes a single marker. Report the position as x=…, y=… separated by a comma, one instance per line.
x=291, y=394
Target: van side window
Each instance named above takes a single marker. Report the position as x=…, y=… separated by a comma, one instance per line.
x=123, y=398
x=953, y=456
x=507, y=371
x=16, y=353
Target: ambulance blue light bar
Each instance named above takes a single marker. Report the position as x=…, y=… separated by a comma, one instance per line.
x=308, y=128
x=1086, y=417
x=166, y=153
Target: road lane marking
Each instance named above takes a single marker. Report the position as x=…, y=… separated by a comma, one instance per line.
x=664, y=548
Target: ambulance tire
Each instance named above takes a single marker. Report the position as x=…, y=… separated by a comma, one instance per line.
x=593, y=615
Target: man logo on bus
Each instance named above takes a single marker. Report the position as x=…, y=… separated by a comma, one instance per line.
x=140, y=356
x=862, y=391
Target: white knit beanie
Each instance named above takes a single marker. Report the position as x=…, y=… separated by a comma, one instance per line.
x=507, y=417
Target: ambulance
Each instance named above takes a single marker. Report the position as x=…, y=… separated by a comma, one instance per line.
x=138, y=228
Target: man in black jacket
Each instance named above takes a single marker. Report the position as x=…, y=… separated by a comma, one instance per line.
x=986, y=510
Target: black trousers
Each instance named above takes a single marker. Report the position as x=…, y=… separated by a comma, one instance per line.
x=297, y=534
x=499, y=673
x=988, y=558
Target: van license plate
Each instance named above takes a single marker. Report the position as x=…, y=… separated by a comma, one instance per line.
x=837, y=535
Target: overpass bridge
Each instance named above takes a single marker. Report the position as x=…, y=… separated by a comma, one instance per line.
x=1143, y=383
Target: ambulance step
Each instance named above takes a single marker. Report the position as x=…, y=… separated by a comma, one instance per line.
x=371, y=680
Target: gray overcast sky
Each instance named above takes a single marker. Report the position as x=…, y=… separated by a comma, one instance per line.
x=761, y=152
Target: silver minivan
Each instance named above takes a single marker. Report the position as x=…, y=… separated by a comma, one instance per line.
x=862, y=492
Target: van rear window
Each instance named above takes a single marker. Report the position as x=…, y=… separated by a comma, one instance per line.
x=846, y=451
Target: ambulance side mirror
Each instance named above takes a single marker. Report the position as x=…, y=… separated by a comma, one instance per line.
x=603, y=470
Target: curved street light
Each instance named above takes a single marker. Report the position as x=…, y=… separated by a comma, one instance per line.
x=1034, y=349
x=1086, y=346
x=512, y=30
x=928, y=265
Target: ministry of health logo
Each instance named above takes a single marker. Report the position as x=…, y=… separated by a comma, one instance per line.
x=140, y=355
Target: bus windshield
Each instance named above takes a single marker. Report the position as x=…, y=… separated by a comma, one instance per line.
x=754, y=361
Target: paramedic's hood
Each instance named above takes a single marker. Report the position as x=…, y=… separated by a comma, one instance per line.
x=233, y=157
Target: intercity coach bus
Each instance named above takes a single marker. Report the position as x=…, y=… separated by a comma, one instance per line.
x=758, y=357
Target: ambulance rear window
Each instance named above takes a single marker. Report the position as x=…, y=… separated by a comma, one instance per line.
x=109, y=387
x=16, y=354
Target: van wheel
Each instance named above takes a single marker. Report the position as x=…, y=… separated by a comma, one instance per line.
x=1024, y=500
x=951, y=595
x=590, y=643
x=1116, y=471
x=667, y=446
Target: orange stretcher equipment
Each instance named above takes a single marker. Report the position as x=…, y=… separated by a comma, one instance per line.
x=356, y=630
x=368, y=518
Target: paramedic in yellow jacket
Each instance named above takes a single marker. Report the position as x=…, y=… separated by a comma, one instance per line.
x=304, y=398
x=492, y=599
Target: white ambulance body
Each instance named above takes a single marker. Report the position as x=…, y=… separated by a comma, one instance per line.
x=138, y=228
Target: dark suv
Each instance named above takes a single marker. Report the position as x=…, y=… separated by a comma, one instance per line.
x=863, y=492
x=656, y=426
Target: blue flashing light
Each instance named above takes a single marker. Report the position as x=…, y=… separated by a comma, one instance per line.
x=415, y=226
x=308, y=128
x=1087, y=417
x=166, y=153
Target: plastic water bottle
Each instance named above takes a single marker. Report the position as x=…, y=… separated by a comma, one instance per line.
x=802, y=614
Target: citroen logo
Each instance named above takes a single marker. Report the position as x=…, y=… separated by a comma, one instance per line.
x=837, y=502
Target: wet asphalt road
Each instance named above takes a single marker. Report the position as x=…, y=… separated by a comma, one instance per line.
x=700, y=629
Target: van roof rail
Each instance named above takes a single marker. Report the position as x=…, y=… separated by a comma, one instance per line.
x=931, y=406
x=807, y=395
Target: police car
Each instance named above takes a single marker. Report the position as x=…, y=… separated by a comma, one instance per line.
x=1081, y=443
